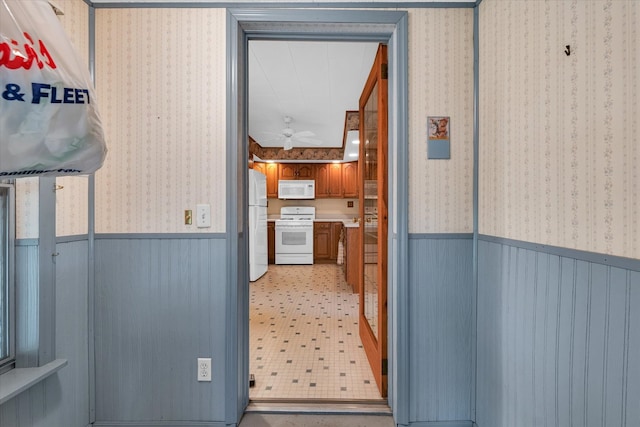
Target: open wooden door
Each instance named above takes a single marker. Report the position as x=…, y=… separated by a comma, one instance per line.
x=373, y=214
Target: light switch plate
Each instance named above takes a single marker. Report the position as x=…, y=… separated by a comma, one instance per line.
x=203, y=216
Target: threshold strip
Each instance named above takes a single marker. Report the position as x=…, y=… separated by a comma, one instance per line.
x=318, y=406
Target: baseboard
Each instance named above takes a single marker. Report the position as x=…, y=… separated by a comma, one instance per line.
x=442, y=424
x=159, y=424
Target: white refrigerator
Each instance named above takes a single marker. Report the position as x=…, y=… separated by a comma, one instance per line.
x=258, y=246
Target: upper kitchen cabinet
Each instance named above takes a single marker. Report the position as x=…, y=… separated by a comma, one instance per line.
x=271, y=171
x=350, y=179
x=328, y=180
x=295, y=171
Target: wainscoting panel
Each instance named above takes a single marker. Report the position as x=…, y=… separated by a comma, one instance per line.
x=62, y=399
x=558, y=340
x=27, y=276
x=160, y=304
x=440, y=328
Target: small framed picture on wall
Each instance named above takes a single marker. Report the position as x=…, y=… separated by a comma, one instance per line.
x=438, y=137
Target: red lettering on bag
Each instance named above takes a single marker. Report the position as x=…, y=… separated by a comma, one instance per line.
x=13, y=58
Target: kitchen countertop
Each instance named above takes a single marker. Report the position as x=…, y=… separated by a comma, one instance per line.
x=346, y=220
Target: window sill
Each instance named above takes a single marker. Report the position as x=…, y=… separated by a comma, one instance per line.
x=18, y=380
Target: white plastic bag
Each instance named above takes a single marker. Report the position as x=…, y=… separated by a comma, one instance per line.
x=49, y=121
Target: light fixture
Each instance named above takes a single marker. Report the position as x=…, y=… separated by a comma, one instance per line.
x=288, y=144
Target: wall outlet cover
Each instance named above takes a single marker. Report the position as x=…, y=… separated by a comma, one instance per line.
x=204, y=369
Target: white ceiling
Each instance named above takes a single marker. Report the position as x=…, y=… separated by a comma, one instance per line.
x=313, y=82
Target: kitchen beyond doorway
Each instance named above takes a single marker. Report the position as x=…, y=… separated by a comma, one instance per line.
x=304, y=341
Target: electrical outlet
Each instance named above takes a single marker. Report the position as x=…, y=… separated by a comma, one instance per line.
x=350, y=204
x=204, y=369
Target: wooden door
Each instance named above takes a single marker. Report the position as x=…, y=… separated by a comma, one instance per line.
x=272, y=179
x=328, y=180
x=373, y=214
x=350, y=179
x=305, y=171
x=336, y=230
x=321, y=241
x=287, y=171
x=322, y=180
x=271, y=172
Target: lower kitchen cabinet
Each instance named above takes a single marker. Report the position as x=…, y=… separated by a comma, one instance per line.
x=326, y=236
x=271, y=242
x=321, y=241
x=352, y=257
x=336, y=230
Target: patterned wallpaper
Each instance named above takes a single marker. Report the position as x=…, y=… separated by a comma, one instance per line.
x=441, y=84
x=166, y=140
x=560, y=157
x=27, y=205
x=72, y=202
x=161, y=81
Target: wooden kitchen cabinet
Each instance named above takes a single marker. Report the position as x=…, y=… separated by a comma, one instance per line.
x=271, y=242
x=328, y=180
x=321, y=241
x=296, y=171
x=326, y=236
x=350, y=180
x=271, y=171
x=336, y=230
x=352, y=257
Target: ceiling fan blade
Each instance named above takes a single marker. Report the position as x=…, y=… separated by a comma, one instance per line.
x=309, y=141
x=268, y=134
x=304, y=133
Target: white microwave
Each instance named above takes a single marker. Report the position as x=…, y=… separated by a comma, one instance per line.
x=296, y=189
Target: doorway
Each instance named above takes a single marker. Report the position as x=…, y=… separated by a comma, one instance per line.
x=303, y=319
x=375, y=26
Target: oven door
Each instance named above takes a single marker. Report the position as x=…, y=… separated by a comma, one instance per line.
x=294, y=239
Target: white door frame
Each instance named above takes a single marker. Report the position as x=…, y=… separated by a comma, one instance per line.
x=378, y=26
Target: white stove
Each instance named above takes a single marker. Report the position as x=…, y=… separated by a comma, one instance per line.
x=294, y=235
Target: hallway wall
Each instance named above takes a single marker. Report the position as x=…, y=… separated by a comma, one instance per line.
x=559, y=200
x=159, y=306
x=167, y=153
x=559, y=152
x=63, y=398
x=558, y=342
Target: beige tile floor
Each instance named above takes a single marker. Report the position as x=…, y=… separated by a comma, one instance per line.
x=304, y=341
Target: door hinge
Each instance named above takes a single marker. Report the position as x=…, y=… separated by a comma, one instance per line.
x=384, y=71
x=385, y=366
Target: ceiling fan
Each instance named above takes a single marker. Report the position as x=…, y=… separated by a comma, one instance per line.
x=288, y=136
